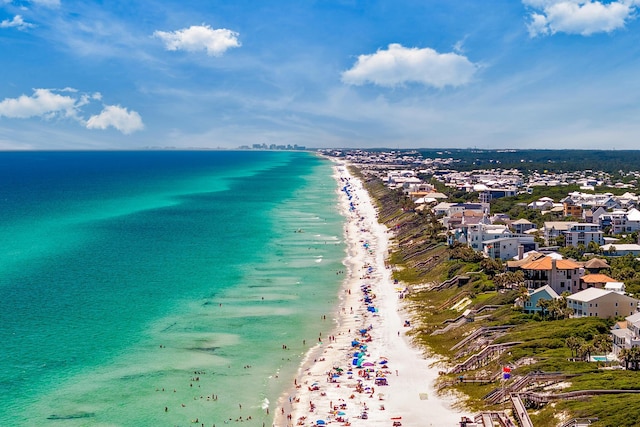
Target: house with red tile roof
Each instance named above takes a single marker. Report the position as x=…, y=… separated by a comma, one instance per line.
x=562, y=275
x=595, y=281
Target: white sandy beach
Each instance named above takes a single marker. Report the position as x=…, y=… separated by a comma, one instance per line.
x=329, y=387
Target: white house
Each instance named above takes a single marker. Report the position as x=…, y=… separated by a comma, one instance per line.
x=583, y=234
x=481, y=232
x=625, y=222
x=543, y=204
x=505, y=248
x=553, y=229
x=626, y=337
x=620, y=249
x=618, y=287
x=442, y=208
x=522, y=225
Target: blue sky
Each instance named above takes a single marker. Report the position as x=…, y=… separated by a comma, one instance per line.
x=415, y=73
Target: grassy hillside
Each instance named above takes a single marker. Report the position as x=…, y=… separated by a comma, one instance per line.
x=421, y=260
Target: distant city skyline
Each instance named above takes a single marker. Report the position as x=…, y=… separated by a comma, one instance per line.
x=497, y=74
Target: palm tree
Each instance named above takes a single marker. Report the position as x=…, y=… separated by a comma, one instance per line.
x=544, y=306
x=603, y=343
x=561, y=308
x=517, y=278
x=624, y=357
x=558, y=308
x=634, y=357
x=630, y=357
x=523, y=295
x=586, y=350
x=574, y=343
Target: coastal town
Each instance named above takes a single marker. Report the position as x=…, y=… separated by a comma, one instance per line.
x=524, y=286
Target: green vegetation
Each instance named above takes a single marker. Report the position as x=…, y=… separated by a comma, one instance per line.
x=527, y=161
x=548, y=342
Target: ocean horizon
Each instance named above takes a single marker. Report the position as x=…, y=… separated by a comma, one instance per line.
x=162, y=287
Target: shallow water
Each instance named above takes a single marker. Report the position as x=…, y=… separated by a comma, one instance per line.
x=138, y=281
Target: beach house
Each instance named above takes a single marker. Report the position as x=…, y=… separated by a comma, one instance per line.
x=506, y=248
x=620, y=249
x=594, y=302
x=596, y=280
x=554, y=229
x=530, y=304
x=626, y=334
x=522, y=225
x=562, y=275
x=583, y=234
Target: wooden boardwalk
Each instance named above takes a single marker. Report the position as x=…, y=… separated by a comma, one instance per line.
x=483, y=357
x=543, y=398
x=520, y=411
x=500, y=394
x=490, y=419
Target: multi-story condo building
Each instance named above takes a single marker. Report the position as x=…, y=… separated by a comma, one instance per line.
x=583, y=234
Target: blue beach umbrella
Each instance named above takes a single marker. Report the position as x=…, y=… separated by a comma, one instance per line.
x=320, y=422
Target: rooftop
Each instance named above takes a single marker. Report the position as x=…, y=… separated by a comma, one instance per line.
x=545, y=264
x=597, y=278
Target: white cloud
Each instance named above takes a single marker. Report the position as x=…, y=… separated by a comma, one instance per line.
x=50, y=104
x=200, y=37
x=43, y=103
x=584, y=17
x=117, y=117
x=399, y=65
x=16, y=22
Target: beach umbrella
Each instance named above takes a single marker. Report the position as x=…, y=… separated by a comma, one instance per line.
x=320, y=422
x=367, y=364
x=341, y=413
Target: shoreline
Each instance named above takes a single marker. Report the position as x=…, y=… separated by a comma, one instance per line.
x=335, y=386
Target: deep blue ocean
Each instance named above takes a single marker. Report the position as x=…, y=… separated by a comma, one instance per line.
x=159, y=287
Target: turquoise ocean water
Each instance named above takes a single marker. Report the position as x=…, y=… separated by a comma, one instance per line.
x=159, y=288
